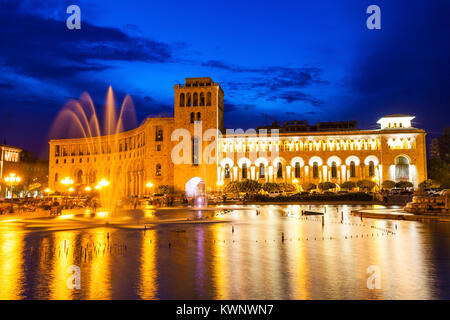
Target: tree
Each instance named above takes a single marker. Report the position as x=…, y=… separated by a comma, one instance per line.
x=439, y=171
x=428, y=184
x=404, y=184
x=271, y=187
x=164, y=189
x=366, y=184
x=348, y=185
x=324, y=186
x=388, y=184
x=249, y=186
x=287, y=187
x=308, y=186
x=232, y=187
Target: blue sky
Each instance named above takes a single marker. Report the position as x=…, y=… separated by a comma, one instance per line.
x=312, y=60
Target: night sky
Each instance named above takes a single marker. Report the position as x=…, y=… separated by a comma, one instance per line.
x=313, y=60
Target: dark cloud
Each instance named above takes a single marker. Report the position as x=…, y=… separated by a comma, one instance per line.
x=230, y=107
x=43, y=47
x=295, y=96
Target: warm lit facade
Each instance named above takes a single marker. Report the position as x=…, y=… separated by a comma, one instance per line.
x=154, y=151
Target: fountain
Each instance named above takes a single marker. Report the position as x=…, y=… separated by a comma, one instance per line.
x=196, y=192
x=79, y=119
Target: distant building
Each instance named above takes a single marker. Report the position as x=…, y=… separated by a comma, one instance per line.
x=298, y=153
x=33, y=172
x=440, y=147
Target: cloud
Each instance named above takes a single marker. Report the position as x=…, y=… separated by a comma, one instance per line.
x=43, y=47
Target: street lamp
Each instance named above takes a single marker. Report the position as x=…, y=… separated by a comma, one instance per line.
x=87, y=189
x=149, y=185
x=12, y=180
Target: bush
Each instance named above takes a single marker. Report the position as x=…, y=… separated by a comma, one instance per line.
x=404, y=184
x=287, y=187
x=246, y=186
x=320, y=197
x=164, y=189
x=388, y=184
x=324, y=186
x=308, y=186
x=348, y=185
x=366, y=184
x=271, y=187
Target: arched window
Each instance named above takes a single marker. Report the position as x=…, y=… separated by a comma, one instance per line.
x=352, y=169
x=188, y=100
x=195, y=102
x=244, y=171
x=371, y=169
x=80, y=177
x=202, y=99
x=192, y=117
x=315, y=170
x=198, y=116
x=92, y=177
x=279, y=170
x=297, y=169
x=333, y=169
x=158, y=170
x=182, y=100
x=227, y=171
x=402, y=168
x=208, y=98
x=262, y=173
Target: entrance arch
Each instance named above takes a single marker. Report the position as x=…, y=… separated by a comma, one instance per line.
x=195, y=190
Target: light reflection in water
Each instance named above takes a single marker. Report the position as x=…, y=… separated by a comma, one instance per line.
x=207, y=260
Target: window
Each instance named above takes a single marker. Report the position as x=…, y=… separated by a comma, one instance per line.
x=182, y=100
x=158, y=147
x=402, y=168
x=352, y=169
x=198, y=116
x=57, y=161
x=244, y=171
x=192, y=117
x=315, y=170
x=333, y=170
x=188, y=100
x=80, y=177
x=297, y=170
x=279, y=170
x=227, y=171
x=158, y=170
x=208, y=98
x=56, y=177
x=371, y=169
x=196, y=151
x=158, y=137
x=195, y=102
x=92, y=177
x=202, y=99
x=261, y=171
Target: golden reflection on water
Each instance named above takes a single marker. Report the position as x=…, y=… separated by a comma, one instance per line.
x=210, y=261
x=11, y=264
x=148, y=272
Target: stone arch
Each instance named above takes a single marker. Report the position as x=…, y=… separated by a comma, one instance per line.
x=226, y=161
x=334, y=159
x=245, y=160
x=315, y=159
x=371, y=158
x=261, y=160
x=299, y=160
x=355, y=159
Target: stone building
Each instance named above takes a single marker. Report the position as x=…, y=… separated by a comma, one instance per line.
x=193, y=145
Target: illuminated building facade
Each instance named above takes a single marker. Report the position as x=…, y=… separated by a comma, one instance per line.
x=173, y=150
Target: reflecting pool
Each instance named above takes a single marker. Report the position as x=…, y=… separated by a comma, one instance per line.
x=251, y=252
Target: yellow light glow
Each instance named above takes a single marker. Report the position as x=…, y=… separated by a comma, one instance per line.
x=48, y=190
x=103, y=183
x=149, y=185
x=70, y=189
x=295, y=181
x=87, y=188
x=98, y=187
x=67, y=181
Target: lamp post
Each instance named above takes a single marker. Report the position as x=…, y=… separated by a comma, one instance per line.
x=149, y=185
x=12, y=180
